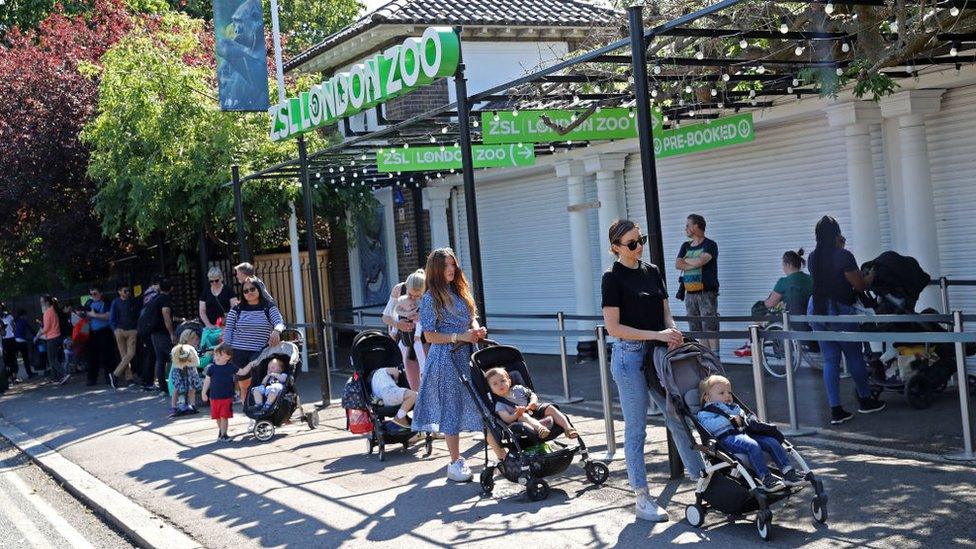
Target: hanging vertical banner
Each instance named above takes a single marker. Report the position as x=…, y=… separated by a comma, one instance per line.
x=242, y=60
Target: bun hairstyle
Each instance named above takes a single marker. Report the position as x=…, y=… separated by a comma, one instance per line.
x=794, y=259
x=618, y=229
x=184, y=356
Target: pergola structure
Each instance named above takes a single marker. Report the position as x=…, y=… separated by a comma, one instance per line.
x=693, y=68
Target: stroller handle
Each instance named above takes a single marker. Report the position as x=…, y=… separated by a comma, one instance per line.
x=292, y=335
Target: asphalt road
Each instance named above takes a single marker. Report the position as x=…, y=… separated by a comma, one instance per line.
x=36, y=512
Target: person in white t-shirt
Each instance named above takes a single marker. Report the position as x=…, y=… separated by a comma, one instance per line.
x=401, y=315
x=384, y=385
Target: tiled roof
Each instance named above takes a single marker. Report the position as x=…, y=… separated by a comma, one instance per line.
x=516, y=13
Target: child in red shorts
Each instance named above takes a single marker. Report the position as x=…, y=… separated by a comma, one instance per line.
x=218, y=388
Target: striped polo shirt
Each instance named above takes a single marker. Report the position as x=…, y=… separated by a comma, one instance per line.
x=247, y=328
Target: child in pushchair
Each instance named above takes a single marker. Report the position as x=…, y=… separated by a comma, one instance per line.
x=280, y=408
x=522, y=465
x=731, y=482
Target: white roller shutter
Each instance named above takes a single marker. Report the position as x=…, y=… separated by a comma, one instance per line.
x=952, y=152
x=524, y=229
x=759, y=200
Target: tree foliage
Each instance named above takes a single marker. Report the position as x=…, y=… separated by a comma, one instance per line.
x=44, y=193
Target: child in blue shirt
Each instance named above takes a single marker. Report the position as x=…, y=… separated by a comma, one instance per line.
x=726, y=421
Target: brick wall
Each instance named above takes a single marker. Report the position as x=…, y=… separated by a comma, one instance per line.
x=419, y=101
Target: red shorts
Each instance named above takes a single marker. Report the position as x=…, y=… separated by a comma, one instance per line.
x=221, y=408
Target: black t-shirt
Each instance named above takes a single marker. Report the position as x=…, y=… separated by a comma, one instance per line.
x=702, y=279
x=639, y=293
x=159, y=302
x=217, y=305
x=222, y=380
x=835, y=286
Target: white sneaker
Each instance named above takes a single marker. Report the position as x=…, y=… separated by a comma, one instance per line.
x=458, y=471
x=648, y=509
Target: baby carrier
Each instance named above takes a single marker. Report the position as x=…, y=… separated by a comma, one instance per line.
x=917, y=370
x=728, y=484
x=372, y=350
x=520, y=465
x=287, y=401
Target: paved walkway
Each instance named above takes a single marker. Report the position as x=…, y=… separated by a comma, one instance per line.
x=319, y=489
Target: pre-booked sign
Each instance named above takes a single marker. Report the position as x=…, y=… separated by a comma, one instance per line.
x=705, y=136
x=530, y=126
x=418, y=159
x=397, y=70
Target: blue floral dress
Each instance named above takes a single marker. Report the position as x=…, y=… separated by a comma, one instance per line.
x=443, y=403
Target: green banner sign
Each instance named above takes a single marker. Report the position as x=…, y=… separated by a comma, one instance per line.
x=420, y=159
x=529, y=127
x=398, y=70
x=705, y=136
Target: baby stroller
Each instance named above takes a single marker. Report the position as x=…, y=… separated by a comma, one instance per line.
x=372, y=350
x=266, y=420
x=919, y=371
x=728, y=484
x=520, y=466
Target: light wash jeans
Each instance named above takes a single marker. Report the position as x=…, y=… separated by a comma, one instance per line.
x=627, y=367
x=832, y=350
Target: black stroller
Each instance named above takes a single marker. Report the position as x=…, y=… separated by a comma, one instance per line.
x=728, y=484
x=519, y=466
x=925, y=369
x=267, y=419
x=372, y=350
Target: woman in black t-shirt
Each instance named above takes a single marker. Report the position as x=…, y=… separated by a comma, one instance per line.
x=636, y=312
x=215, y=301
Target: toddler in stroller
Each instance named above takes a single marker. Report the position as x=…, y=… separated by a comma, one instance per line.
x=519, y=405
x=520, y=465
x=285, y=401
x=731, y=482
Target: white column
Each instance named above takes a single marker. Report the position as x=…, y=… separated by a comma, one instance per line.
x=609, y=171
x=579, y=245
x=855, y=117
x=921, y=236
x=435, y=201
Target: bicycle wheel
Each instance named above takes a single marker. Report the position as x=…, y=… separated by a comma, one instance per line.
x=774, y=353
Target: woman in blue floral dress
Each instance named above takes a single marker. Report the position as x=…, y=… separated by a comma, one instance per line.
x=448, y=317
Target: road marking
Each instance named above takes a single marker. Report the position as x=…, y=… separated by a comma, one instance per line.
x=68, y=532
x=33, y=536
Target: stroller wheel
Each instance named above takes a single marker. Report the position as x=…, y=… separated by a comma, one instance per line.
x=382, y=452
x=695, y=515
x=264, y=430
x=596, y=472
x=538, y=489
x=819, y=508
x=918, y=392
x=487, y=479
x=764, y=522
x=312, y=418
x=369, y=446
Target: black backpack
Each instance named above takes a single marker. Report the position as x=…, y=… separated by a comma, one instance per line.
x=148, y=318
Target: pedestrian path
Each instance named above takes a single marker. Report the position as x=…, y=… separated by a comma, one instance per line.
x=318, y=488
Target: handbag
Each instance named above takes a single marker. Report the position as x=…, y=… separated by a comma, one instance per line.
x=358, y=421
x=680, y=294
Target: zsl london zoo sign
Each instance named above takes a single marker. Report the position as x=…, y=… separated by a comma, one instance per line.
x=398, y=70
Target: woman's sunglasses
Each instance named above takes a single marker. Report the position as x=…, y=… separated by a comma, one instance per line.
x=250, y=289
x=214, y=280
x=633, y=244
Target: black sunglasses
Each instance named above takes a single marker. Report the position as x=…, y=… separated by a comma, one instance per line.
x=633, y=244
x=214, y=280
x=250, y=289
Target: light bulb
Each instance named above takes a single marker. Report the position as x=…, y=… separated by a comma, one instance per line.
x=688, y=89
x=752, y=93
x=798, y=51
x=495, y=117
x=475, y=123
x=432, y=139
x=761, y=69
x=796, y=82
x=665, y=119
x=840, y=71
x=743, y=43
x=789, y=89
x=442, y=148
x=457, y=145
x=691, y=113
x=953, y=51
x=681, y=102
x=653, y=93
x=514, y=112
x=656, y=69
x=954, y=11
x=893, y=26
x=405, y=146
x=342, y=169
x=721, y=105
x=599, y=108
x=783, y=28
x=699, y=55
x=444, y=130
x=726, y=77
x=714, y=92
x=845, y=47
x=829, y=8
x=552, y=148
x=630, y=113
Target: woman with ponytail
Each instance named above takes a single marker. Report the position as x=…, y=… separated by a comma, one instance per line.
x=836, y=278
x=795, y=288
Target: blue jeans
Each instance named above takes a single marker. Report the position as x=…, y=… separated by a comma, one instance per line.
x=753, y=446
x=832, y=351
x=626, y=366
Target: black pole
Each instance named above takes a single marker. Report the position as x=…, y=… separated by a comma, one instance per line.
x=204, y=259
x=467, y=172
x=239, y=212
x=418, y=223
x=652, y=204
x=325, y=385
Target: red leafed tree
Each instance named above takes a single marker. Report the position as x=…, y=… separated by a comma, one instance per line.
x=45, y=197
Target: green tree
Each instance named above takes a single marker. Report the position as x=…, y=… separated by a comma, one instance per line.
x=161, y=149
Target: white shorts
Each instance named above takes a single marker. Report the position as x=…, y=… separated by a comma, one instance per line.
x=392, y=395
x=273, y=388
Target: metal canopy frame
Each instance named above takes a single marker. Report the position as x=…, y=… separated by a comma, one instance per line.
x=598, y=78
